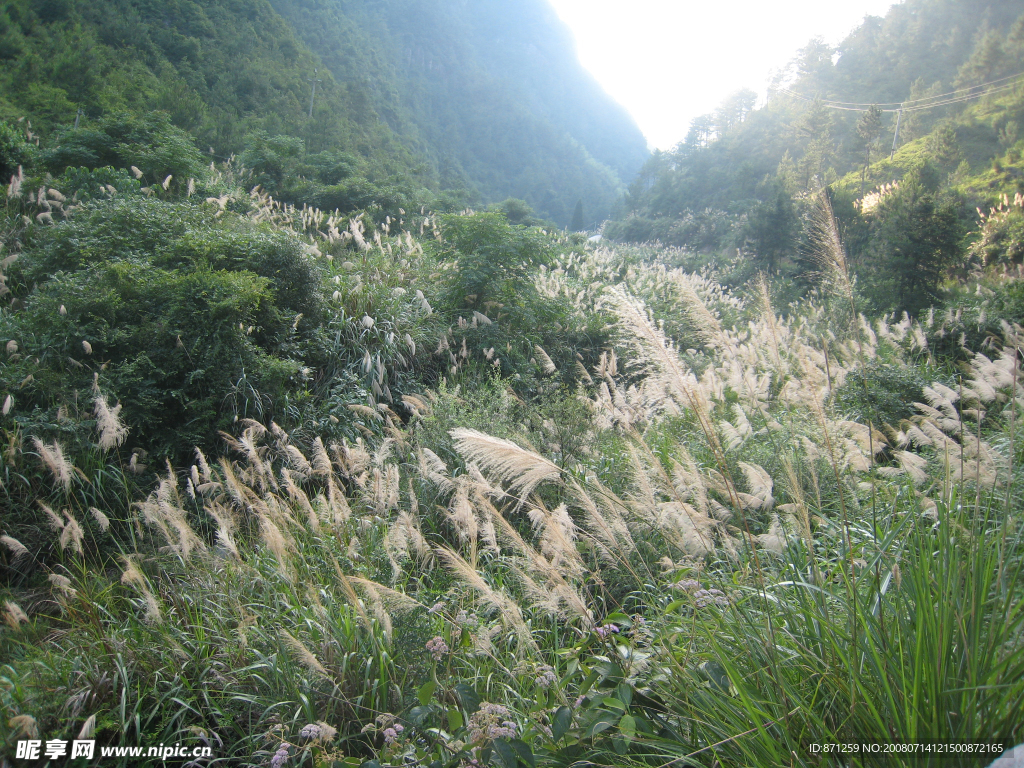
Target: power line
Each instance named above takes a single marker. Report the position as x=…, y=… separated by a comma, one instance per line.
x=916, y=105
x=898, y=104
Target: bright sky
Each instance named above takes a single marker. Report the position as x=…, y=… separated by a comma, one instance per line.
x=668, y=61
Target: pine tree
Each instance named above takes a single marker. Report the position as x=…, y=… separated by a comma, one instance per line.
x=577, y=218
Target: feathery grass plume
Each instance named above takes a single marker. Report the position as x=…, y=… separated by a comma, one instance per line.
x=108, y=423
x=558, y=534
x=697, y=312
x=546, y=365
x=688, y=485
x=606, y=529
x=404, y=536
x=557, y=596
x=72, y=534
x=433, y=468
x=523, y=470
x=760, y=484
x=14, y=616
x=298, y=462
x=132, y=574
x=764, y=300
x=101, y=519
x=509, y=611
x=23, y=725
x=53, y=459
x=384, y=601
x=582, y=373
x=416, y=404
x=341, y=513
x=321, y=460
x=88, y=729
x=247, y=444
x=15, y=547
x=352, y=596
x=460, y=513
x=303, y=655
x=8, y=404
x=298, y=496
x=162, y=509
x=63, y=583
x=798, y=507
x=277, y=543
x=775, y=540
x=656, y=353
x=204, y=467
x=225, y=526
x=827, y=249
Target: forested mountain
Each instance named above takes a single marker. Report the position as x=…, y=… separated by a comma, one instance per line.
x=305, y=463
x=483, y=100
x=739, y=181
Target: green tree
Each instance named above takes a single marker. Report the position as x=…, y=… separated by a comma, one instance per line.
x=770, y=232
x=577, y=218
x=815, y=130
x=868, y=128
x=916, y=240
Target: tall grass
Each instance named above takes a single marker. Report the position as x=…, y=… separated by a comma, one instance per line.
x=732, y=566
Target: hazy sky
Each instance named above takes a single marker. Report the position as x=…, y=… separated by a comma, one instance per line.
x=668, y=61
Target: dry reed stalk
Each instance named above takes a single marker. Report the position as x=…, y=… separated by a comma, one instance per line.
x=509, y=611
x=15, y=547
x=108, y=422
x=54, y=460
x=523, y=470
x=303, y=655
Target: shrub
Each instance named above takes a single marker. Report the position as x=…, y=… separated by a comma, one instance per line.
x=190, y=321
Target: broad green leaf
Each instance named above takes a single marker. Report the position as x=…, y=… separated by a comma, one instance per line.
x=524, y=752
x=426, y=692
x=506, y=755
x=627, y=727
x=455, y=720
x=469, y=698
x=562, y=723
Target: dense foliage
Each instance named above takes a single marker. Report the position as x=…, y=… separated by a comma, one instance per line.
x=411, y=98
x=302, y=470
x=735, y=192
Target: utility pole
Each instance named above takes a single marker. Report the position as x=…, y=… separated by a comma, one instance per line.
x=314, y=81
x=78, y=116
x=896, y=136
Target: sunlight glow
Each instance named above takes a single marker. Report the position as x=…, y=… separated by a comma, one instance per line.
x=669, y=61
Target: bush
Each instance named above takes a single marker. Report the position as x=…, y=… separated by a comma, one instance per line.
x=189, y=321
x=15, y=150
x=882, y=392
x=149, y=142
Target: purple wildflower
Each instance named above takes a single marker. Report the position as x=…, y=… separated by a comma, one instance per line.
x=545, y=676
x=280, y=757
x=702, y=598
x=491, y=721
x=437, y=647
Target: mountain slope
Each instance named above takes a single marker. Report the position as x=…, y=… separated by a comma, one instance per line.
x=491, y=92
x=483, y=98
x=922, y=48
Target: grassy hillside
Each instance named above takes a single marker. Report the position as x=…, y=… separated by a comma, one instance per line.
x=735, y=192
x=296, y=470
x=412, y=95
x=483, y=493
